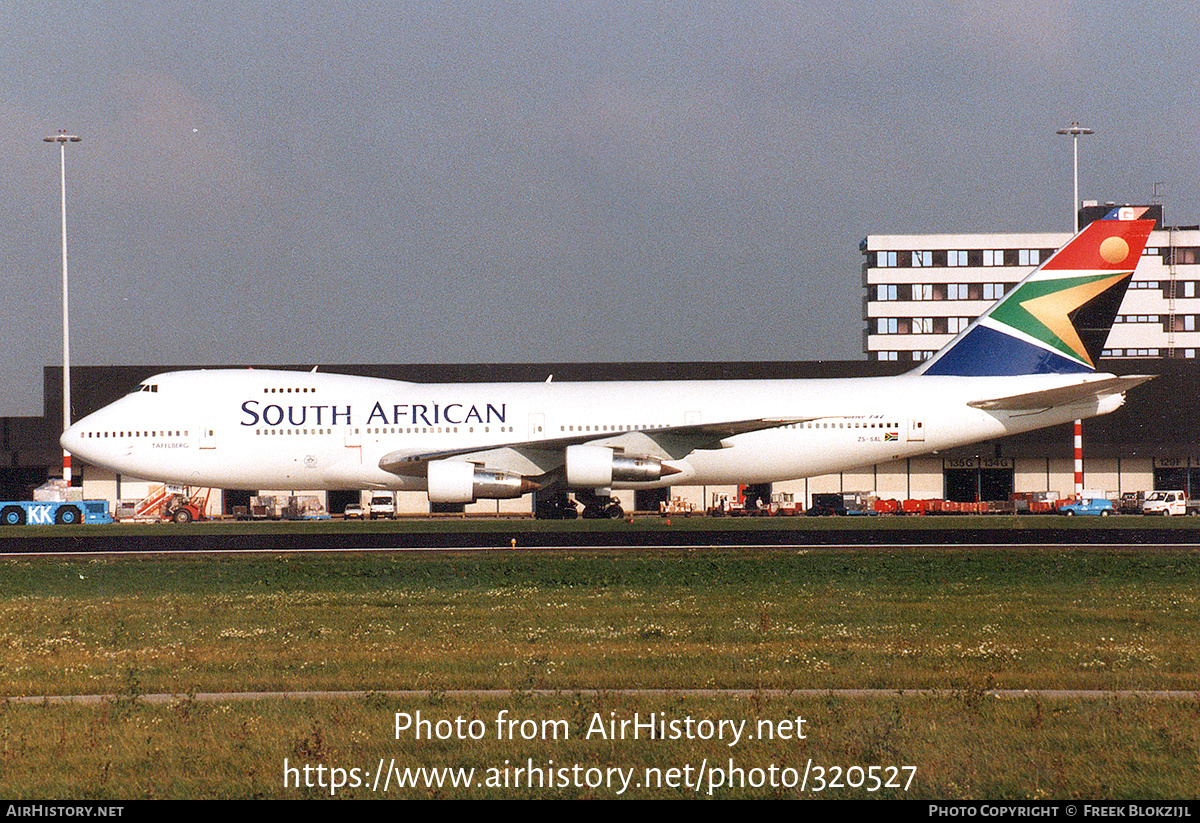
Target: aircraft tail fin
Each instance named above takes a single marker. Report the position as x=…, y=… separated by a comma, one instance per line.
x=1057, y=319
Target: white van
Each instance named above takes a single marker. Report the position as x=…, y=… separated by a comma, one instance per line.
x=383, y=504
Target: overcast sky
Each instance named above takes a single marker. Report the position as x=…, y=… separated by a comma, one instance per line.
x=544, y=181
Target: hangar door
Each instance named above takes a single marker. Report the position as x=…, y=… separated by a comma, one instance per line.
x=1177, y=473
x=975, y=479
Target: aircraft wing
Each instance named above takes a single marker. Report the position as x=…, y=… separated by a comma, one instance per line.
x=535, y=457
x=1063, y=395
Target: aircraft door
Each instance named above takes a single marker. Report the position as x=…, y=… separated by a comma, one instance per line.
x=354, y=440
x=537, y=426
x=208, y=436
x=916, y=430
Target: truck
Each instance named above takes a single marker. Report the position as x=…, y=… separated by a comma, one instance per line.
x=168, y=502
x=47, y=512
x=186, y=506
x=1169, y=502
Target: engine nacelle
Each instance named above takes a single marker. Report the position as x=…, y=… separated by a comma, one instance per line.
x=457, y=481
x=597, y=467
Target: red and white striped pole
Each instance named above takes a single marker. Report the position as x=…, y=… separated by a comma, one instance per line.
x=1078, y=459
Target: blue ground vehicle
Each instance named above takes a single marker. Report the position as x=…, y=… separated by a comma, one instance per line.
x=38, y=513
x=1088, y=505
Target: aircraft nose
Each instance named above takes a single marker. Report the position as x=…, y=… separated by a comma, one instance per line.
x=73, y=440
x=70, y=439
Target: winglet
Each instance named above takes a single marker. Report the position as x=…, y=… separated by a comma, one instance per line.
x=1057, y=319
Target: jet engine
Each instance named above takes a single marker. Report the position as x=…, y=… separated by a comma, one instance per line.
x=457, y=481
x=597, y=467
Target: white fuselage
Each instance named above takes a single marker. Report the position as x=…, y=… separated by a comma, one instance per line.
x=261, y=429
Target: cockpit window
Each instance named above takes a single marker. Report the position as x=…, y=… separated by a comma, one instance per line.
x=151, y=387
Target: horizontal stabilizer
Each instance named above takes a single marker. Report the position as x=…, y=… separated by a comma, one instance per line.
x=1064, y=395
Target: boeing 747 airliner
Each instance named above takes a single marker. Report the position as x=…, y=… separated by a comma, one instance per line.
x=1026, y=363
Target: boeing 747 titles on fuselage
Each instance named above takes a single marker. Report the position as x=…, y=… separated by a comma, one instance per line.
x=1028, y=362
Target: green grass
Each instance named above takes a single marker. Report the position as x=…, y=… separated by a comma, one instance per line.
x=1033, y=526
x=726, y=618
x=965, y=620
x=963, y=747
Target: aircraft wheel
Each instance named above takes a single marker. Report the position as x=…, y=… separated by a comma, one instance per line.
x=557, y=508
x=13, y=516
x=614, y=512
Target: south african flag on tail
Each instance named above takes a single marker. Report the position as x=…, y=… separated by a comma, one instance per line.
x=1057, y=319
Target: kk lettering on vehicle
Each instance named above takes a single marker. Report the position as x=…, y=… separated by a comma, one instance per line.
x=40, y=515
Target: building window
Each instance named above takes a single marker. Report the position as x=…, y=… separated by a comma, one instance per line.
x=993, y=291
x=885, y=259
x=889, y=355
x=887, y=325
x=922, y=291
x=922, y=325
x=993, y=257
x=1028, y=257
x=957, y=291
x=954, y=325
x=922, y=259
x=886, y=292
x=956, y=257
x=1189, y=288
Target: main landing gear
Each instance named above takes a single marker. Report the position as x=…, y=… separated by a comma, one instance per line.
x=559, y=506
x=556, y=506
x=600, y=506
